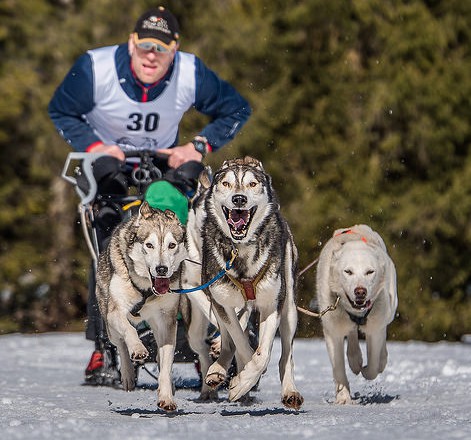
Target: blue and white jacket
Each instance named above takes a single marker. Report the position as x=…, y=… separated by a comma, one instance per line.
x=100, y=100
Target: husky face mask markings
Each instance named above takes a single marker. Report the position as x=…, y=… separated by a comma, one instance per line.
x=242, y=213
x=136, y=271
x=157, y=255
x=238, y=194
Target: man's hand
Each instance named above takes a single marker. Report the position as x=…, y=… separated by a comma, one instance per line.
x=181, y=154
x=112, y=150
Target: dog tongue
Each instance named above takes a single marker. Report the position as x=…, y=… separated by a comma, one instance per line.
x=161, y=285
x=238, y=218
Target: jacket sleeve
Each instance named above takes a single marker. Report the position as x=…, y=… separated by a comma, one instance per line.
x=71, y=101
x=219, y=100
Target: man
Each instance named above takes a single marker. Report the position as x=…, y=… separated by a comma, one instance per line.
x=132, y=97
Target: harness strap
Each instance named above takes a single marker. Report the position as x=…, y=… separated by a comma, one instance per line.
x=229, y=265
x=359, y=320
x=351, y=231
x=137, y=307
x=248, y=288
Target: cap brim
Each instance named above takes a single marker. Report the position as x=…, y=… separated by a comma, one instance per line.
x=169, y=46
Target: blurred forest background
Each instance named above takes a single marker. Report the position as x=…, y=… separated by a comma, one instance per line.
x=362, y=114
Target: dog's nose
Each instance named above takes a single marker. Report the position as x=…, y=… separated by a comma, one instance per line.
x=161, y=271
x=360, y=293
x=239, y=200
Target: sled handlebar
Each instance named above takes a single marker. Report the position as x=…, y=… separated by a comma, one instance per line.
x=78, y=170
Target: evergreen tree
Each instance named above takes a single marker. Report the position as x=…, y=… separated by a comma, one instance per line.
x=361, y=115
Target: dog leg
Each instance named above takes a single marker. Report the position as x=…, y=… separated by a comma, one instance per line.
x=117, y=321
x=164, y=327
x=128, y=378
x=248, y=377
x=335, y=348
x=354, y=356
x=124, y=336
x=217, y=372
x=197, y=333
x=375, y=347
x=383, y=357
x=232, y=336
x=291, y=397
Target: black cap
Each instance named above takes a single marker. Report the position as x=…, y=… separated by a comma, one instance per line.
x=157, y=24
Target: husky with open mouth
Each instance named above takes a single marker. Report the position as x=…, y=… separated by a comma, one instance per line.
x=244, y=233
x=135, y=274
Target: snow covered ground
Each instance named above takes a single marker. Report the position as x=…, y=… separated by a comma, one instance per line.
x=424, y=393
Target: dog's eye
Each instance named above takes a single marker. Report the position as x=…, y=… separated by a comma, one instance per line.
x=225, y=183
x=253, y=184
x=370, y=272
x=172, y=245
x=149, y=246
x=348, y=272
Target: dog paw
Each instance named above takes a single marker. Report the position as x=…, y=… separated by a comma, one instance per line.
x=139, y=353
x=292, y=400
x=343, y=396
x=215, y=349
x=369, y=373
x=167, y=405
x=355, y=367
x=238, y=389
x=128, y=382
x=215, y=376
x=235, y=391
x=215, y=379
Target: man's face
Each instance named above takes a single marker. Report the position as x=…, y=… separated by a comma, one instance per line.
x=149, y=66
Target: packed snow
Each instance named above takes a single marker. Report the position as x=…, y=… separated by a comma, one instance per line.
x=424, y=393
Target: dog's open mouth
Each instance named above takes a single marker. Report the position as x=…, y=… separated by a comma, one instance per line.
x=160, y=286
x=360, y=304
x=239, y=221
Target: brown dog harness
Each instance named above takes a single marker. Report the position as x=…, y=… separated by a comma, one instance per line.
x=248, y=288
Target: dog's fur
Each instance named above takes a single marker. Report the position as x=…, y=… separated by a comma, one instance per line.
x=143, y=260
x=197, y=311
x=242, y=213
x=355, y=266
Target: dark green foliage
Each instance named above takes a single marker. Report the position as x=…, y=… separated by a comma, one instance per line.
x=361, y=115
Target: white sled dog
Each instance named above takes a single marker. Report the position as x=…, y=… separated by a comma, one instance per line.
x=245, y=234
x=355, y=267
x=135, y=273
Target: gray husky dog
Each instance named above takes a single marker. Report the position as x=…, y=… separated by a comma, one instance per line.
x=244, y=233
x=134, y=276
x=356, y=272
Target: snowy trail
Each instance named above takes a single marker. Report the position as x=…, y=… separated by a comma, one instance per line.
x=424, y=393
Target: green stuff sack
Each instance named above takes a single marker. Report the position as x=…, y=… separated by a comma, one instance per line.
x=163, y=195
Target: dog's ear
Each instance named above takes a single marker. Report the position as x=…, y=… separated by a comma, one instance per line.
x=205, y=178
x=145, y=211
x=325, y=278
x=225, y=164
x=250, y=161
x=390, y=283
x=170, y=214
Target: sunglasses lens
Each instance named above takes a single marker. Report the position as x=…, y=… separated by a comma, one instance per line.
x=148, y=46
